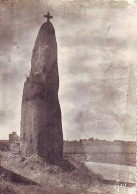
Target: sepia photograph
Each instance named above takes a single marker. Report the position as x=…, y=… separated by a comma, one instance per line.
x=68, y=96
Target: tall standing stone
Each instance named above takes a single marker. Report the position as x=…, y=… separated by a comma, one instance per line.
x=41, y=125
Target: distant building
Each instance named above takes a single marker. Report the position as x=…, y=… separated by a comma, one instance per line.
x=83, y=140
x=13, y=137
x=14, y=143
x=91, y=139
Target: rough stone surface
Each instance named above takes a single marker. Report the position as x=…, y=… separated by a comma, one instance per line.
x=41, y=126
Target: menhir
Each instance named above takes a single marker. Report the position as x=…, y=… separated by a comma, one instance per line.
x=41, y=125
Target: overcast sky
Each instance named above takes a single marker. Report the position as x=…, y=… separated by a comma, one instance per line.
x=96, y=56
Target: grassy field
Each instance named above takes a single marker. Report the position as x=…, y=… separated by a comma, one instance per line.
x=70, y=177
x=67, y=178
x=123, y=153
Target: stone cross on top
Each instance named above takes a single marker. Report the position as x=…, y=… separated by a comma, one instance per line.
x=48, y=16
